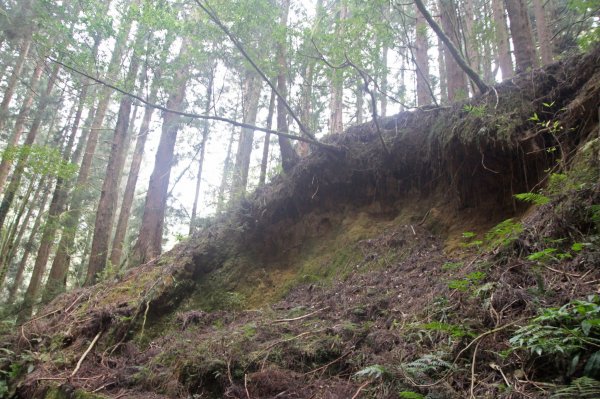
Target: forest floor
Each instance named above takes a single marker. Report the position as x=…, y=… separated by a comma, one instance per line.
x=405, y=272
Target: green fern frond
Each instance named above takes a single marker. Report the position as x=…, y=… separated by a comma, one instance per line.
x=582, y=388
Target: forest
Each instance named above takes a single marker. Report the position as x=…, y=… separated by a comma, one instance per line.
x=299, y=199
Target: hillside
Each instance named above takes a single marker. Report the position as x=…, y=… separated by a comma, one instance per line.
x=367, y=272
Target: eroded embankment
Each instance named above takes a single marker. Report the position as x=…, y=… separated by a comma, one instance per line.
x=446, y=171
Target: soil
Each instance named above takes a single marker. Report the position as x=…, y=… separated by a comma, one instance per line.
x=361, y=274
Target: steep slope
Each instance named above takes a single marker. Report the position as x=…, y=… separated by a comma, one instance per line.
x=363, y=273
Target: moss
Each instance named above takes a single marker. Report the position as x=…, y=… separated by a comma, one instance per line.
x=55, y=392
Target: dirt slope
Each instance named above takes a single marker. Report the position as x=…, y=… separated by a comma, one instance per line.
x=352, y=276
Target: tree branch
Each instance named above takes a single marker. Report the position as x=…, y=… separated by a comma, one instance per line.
x=213, y=16
x=453, y=50
x=191, y=114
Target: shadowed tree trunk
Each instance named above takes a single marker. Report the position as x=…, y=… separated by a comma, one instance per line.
x=422, y=60
x=227, y=167
x=205, y=131
x=457, y=58
x=62, y=258
x=336, y=102
x=149, y=243
x=11, y=85
x=251, y=95
x=289, y=158
x=28, y=248
x=265, y=157
x=15, y=181
x=105, y=213
x=455, y=77
x=542, y=32
x=522, y=38
x=20, y=122
x=502, y=42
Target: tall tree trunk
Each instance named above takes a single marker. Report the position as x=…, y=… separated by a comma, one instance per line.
x=456, y=82
x=504, y=58
x=149, y=243
x=128, y=195
x=136, y=161
x=522, y=38
x=205, y=131
x=16, y=231
x=422, y=60
x=265, y=156
x=473, y=53
x=443, y=74
x=62, y=258
x=360, y=101
x=15, y=180
x=14, y=79
x=57, y=205
x=336, y=102
x=542, y=32
x=289, y=158
x=29, y=246
x=227, y=167
x=19, y=127
x=251, y=96
x=457, y=58
x=105, y=213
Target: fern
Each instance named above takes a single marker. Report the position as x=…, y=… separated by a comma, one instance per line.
x=504, y=233
x=534, y=198
x=582, y=388
x=375, y=371
x=427, y=365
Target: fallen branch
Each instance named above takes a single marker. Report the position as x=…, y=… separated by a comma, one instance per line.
x=86, y=353
x=360, y=388
x=301, y=317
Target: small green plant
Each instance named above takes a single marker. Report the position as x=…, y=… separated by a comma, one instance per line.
x=503, y=234
x=426, y=366
x=582, y=388
x=374, y=371
x=470, y=240
x=410, y=395
x=475, y=110
x=568, y=334
x=452, y=266
x=452, y=329
x=534, y=198
x=469, y=282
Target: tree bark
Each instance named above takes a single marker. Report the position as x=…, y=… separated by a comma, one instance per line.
x=15, y=180
x=422, y=60
x=543, y=34
x=149, y=243
x=265, y=156
x=336, y=102
x=251, y=96
x=19, y=127
x=29, y=246
x=227, y=169
x=205, y=131
x=456, y=81
x=289, y=157
x=504, y=58
x=14, y=79
x=15, y=233
x=105, y=213
x=62, y=258
x=522, y=38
